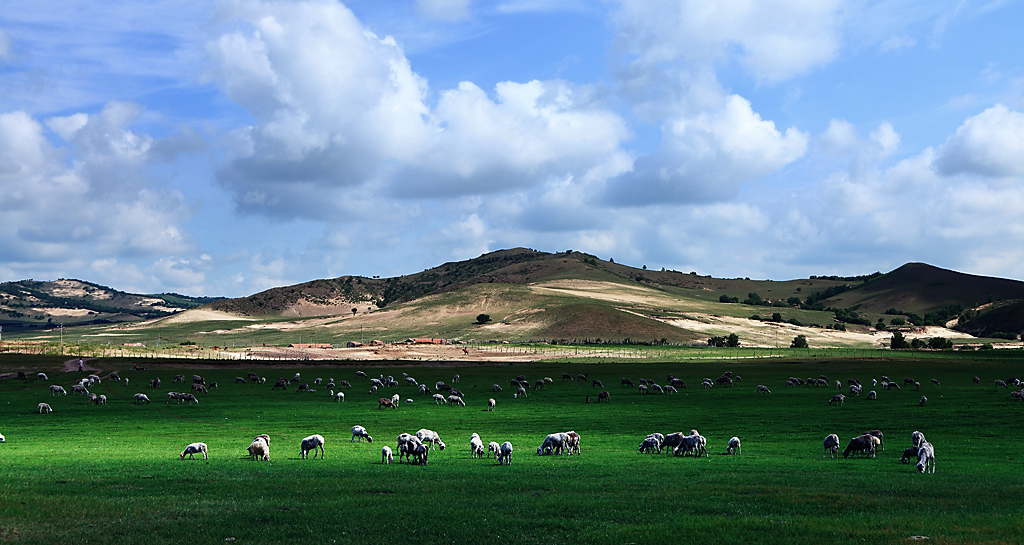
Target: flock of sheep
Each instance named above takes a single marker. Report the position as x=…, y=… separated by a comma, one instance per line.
x=415, y=448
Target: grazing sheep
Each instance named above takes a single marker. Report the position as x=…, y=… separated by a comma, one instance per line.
x=188, y=397
x=734, y=446
x=707, y=383
x=2, y=438
x=521, y=392
x=581, y=376
x=872, y=395
x=977, y=380
x=671, y=390
x=839, y=385
x=553, y=444
x=101, y=400
x=926, y=456
x=430, y=437
x=862, y=444
x=642, y=389
x=831, y=445
x=455, y=379
x=917, y=439
x=476, y=446
x=360, y=433
x=313, y=442
x=490, y=404
x=78, y=389
x=650, y=444
x=385, y=402
x=281, y=383
x=657, y=389
x=924, y=400
x=493, y=448
x=604, y=396
x=195, y=448
x=239, y=380
x=386, y=457
x=456, y=400
x=917, y=386
x=260, y=448
x=879, y=435
x=572, y=442
x=596, y=384
x=496, y=388
x=505, y=454
x=626, y=382
x=44, y=408
x=140, y=399
x=763, y=388
x=838, y=399
x=539, y=384
x=340, y=396
x=566, y=376
x=439, y=399
x=910, y=453
x=1001, y=383
x=688, y=444
x=935, y=382
x=54, y=390
x=457, y=392
x=42, y=376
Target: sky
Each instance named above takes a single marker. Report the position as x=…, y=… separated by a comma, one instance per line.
x=221, y=148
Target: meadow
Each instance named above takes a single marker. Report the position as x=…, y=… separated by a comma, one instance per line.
x=111, y=474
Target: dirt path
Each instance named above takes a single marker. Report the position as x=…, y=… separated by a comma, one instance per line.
x=72, y=365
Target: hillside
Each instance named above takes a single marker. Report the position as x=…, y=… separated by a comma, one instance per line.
x=30, y=304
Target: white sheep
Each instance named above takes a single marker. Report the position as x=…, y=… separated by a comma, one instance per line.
x=2, y=438
x=917, y=439
x=439, y=399
x=386, y=456
x=193, y=449
x=493, y=448
x=396, y=399
x=924, y=400
x=763, y=388
x=456, y=400
x=42, y=376
x=505, y=454
x=650, y=444
x=101, y=400
x=831, y=445
x=490, y=404
x=521, y=392
x=553, y=444
x=872, y=395
x=141, y=398
x=315, y=443
x=360, y=433
x=926, y=456
x=734, y=446
x=260, y=448
x=430, y=437
x=339, y=397
x=838, y=399
x=476, y=446
x=572, y=442
x=55, y=389
x=687, y=444
x=44, y=408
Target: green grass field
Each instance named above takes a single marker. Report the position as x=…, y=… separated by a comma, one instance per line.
x=111, y=474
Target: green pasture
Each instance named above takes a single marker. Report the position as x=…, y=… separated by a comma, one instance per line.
x=111, y=474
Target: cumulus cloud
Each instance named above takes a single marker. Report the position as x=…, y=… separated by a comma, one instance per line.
x=708, y=157
x=988, y=144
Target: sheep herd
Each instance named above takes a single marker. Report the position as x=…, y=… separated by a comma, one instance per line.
x=415, y=448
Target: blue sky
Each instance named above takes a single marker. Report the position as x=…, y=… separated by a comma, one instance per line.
x=223, y=148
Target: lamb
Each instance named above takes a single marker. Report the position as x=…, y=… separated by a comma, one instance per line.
x=1001, y=383
x=360, y=433
x=734, y=446
x=872, y=395
x=505, y=454
x=386, y=457
x=879, y=435
x=687, y=444
x=385, y=402
x=195, y=448
x=313, y=442
x=42, y=376
x=44, y=408
x=924, y=400
x=935, y=382
x=495, y=387
x=456, y=400
x=140, y=399
x=490, y=404
x=917, y=439
x=596, y=384
x=657, y=389
x=173, y=396
x=259, y=449
x=408, y=445
x=493, y=448
x=909, y=453
x=642, y=389
x=572, y=442
x=476, y=446
x=553, y=443
x=439, y=399
x=239, y=380
x=100, y=400
x=430, y=437
x=188, y=397
x=605, y=396
x=831, y=445
x=340, y=396
x=763, y=388
x=926, y=456
x=396, y=399
x=54, y=390
x=521, y=392
x=838, y=399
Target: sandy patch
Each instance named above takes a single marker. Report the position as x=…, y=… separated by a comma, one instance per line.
x=201, y=315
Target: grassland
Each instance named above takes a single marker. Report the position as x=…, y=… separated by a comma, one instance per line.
x=92, y=474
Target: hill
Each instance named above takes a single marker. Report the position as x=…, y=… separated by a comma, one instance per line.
x=31, y=304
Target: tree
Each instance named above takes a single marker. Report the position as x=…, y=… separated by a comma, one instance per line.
x=483, y=318
x=732, y=341
x=800, y=341
x=898, y=342
x=354, y=311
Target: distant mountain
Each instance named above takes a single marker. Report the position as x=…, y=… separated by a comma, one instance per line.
x=29, y=304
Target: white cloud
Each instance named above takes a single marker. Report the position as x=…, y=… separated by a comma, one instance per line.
x=709, y=156
x=988, y=144
x=445, y=10
x=896, y=43
x=5, y=46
